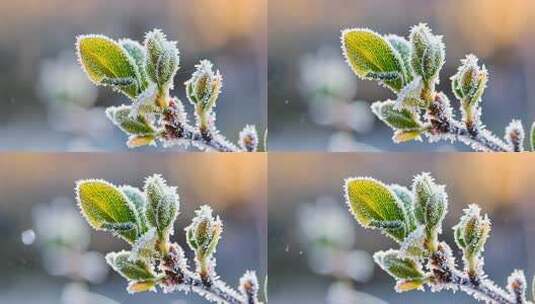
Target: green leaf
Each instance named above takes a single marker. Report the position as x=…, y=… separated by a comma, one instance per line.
x=406, y=135
x=162, y=204
x=404, y=195
x=404, y=48
x=136, y=270
x=136, y=141
x=138, y=53
x=397, y=266
x=140, y=203
x=368, y=53
x=430, y=202
x=372, y=202
x=402, y=119
x=122, y=117
x=106, y=62
x=162, y=59
x=532, y=137
x=106, y=208
x=428, y=55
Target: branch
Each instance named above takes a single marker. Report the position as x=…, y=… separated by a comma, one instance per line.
x=445, y=275
x=177, y=130
x=444, y=126
x=179, y=277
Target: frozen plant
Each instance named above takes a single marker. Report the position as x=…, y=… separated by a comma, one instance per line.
x=413, y=218
x=144, y=73
x=410, y=68
x=145, y=220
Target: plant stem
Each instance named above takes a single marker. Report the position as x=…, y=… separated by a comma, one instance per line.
x=178, y=277
x=478, y=138
x=446, y=276
x=175, y=129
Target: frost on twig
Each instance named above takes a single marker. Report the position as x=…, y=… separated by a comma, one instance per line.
x=145, y=73
x=413, y=218
x=145, y=220
x=410, y=68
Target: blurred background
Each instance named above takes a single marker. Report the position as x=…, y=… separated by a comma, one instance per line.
x=316, y=103
x=319, y=254
x=49, y=104
x=50, y=255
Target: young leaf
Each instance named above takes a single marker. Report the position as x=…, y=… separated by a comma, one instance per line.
x=372, y=202
x=402, y=119
x=162, y=59
x=397, y=266
x=122, y=117
x=430, y=202
x=136, y=141
x=406, y=135
x=139, y=201
x=105, y=61
x=403, y=47
x=368, y=52
x=106, y=208
x=138, y=53
x=162, y=205
x=405, y=197
x=130, y=269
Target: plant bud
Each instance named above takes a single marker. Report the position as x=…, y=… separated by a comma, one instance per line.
x=397, y=266
x=428, y=53
x=470, y=81
x=472, y=232
x=162, y=59
x=514, y=135
x=135, y=270
x=204, y=232
x=162, y=205
x=249, y=286
x=204, y=86
x=249, y=139
x=516, y=285
x=430, y=202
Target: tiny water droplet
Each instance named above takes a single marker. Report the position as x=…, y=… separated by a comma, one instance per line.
x=28, y=237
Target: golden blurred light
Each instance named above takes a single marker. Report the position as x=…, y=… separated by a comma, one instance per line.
x=488, y=24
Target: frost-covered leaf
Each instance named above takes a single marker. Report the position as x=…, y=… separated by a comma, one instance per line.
x=403, y=47
x=368, y=54
x=428, y=53
x=408, y=285
x=410, y=96
x=470, y=81
x=395, y=118
x=104, y=61
x=204, y=232
x=372, y=201
x=397, y=266
x=406, y=135
x=204, y=86
x=136, y=141
x=105, y=207
x=136, y=270
x=162, y=59
x=162, y=204
x=145, y=246
x=414, y=244
x=140, y=203
x=405, y=197
x=122, y=117
x=141, y=286
x=138, y=53
x=430, y=202
x=472, y=232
